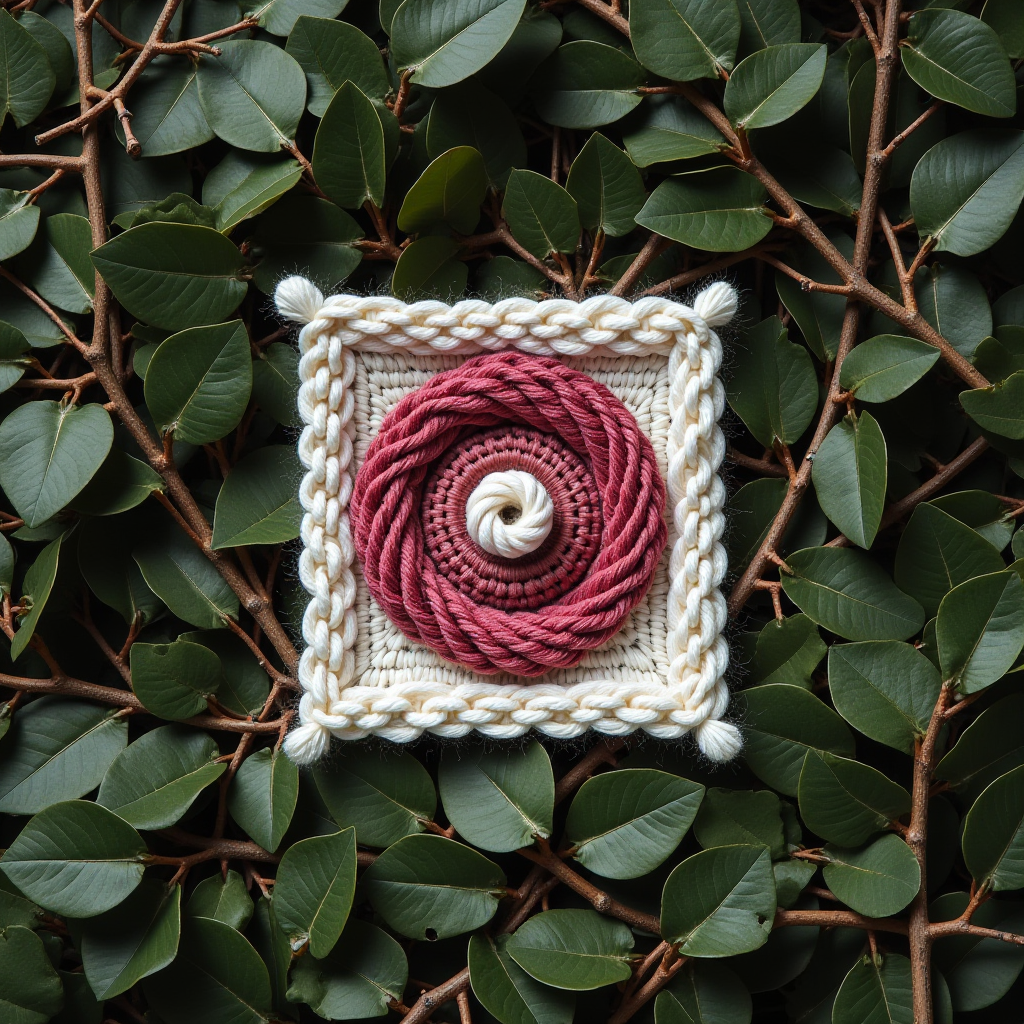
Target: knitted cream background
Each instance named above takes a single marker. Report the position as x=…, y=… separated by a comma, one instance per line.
x=340, y=696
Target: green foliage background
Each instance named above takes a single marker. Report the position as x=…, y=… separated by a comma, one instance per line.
x=857, y=169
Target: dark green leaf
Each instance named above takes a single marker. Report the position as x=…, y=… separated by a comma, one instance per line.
x=876, y=992
x=572, y=949
x=772, y=84
x=846, y=801
x=275, y=382
x=720, y=209
x=30, y=989
x=886, y=689
x=993, y=838
x=348, y=153
x=167, y=116
x=847, y=593
x=27, y=80
x=768, y=23
x=958, y=58
x=881, y=368
x=262, y=796
x=427, y=269
x=313, y=893
x=222, y=898
x=685, y=39
x=154, y=781
x=135, y=939
x=541, y=214
x=606, y=186
x=498, y=800
x=57, y=749
x=671, y=129
x=244, y=685
x=174, y=680
x=258, y=502
x=37, y=587
x=120, y=484
x=244, y=184
x=623, y=824
x=990, y=746
x=75, y=858
x=729, y=817
x=449, y=191
x=18, y=222
x=280, y=16
x=720, y=902
x=703, y=993
x=787, y=651
x=878, y=880
x=999, y=408
x=431, y=887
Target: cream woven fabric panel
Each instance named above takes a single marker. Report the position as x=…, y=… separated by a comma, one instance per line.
x=662, y=671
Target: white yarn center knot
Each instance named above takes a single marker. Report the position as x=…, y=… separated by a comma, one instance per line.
x=509, y=514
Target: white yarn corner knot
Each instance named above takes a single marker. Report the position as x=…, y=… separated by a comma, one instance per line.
x=717, y=304
x=298, y=299
x=509, y=514
x=719, y=741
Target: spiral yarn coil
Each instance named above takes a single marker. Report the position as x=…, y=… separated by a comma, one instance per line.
x=694, y=697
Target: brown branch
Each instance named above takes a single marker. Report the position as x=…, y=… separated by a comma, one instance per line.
x=49, y=161
x=762, y=466
x=959, y=926
x=653, y=247
x=687, y=277
x=909, y=130
x=603, y=752
x=430, y=1000
x=837, y=919
x=671, y=964
x=45, y=307
x=229, y=849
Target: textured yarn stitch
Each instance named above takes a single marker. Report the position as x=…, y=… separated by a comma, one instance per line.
x=694, y=696
x=537, y=392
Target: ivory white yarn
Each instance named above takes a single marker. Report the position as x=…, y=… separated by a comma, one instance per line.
x=335, y=699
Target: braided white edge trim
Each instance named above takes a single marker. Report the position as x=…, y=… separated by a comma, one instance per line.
x=694, y=697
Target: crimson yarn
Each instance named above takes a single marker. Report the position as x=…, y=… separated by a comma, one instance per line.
x=426, y=432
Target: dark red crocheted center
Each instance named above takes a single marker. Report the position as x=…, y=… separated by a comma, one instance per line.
x=537, y=579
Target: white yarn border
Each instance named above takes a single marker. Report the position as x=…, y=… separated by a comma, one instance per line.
x=693, y=698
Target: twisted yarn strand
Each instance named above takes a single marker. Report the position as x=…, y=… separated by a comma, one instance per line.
x=695, y=696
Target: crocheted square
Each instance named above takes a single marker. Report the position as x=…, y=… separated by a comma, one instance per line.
x=513, y=518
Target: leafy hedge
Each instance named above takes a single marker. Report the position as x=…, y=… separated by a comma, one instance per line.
x=856, y=168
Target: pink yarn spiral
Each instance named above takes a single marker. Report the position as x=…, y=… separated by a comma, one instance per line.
x=387, y=521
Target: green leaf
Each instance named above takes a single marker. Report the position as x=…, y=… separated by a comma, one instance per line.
x=30, y=989
x=787, y=651
x=585, y=84
x=720, y=902
x=279, y=17
x=174, y=680
x=999, y=357
x=845, y=801
x=850, y=476
x=504, y=277
x=57, y=749
x=75, y=858
x=980, y=630
x=244, y=686
x=37, y=587
x=990, y=746
x=772, y=84
x=106, y=563
x=623, y=824
x=498, y=800
x=309, y=234
x=1004, y=16
x=155, y=780
x=313, y=893
x=57, y=263
x=199, y=382
x=18, y=222
x=222, y=898
x=243, y=185
x=703, y=992
x=332, y=53
x=57, y=48
x=671, y=129
x=849, y=594
x=937, y=553
x=385, y=796
x=449, y=191
x=542, y=215
x=120, y=484
x=173, y=275
x=876, y=992
x=774, y=389
x=431, y=887
x=959, y=59
x=881, y=368
x=993, y=837
x=728, y=817
x=275, y=382
x=262, y=796
x=253, y=94
x=167, y=116
x=782, y=723
x=720, y=209
x=6, y=573
x=365, y=972
x=185, y=580
x=467, y=114
x=998, y=408
x=576, y=950
x=877, y=880
x=348, y=152
x=217, y=976
x=978, y=971
x=606, y=186
x=427, y=269
x=768, y=23
x=48, y=452
x=13, y=359
x=26, y=78
x=258, y=502
x=445, y=43
x=685, y=39
x=135, y=939
x=954, y=302
x=507, y=991
x=885, y=689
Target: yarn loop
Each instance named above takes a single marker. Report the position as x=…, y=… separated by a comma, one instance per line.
x=510, y=513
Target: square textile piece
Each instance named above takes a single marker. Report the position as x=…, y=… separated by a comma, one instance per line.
x=513, y=518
